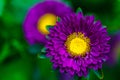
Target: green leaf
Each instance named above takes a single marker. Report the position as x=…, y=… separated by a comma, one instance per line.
x=16, y=10
x=2, y=4
x=77, y=78
x=78, y=10
x=5, y=52
x=86, y=78
x=18, y=45
x=46, y=70
x=99, y=73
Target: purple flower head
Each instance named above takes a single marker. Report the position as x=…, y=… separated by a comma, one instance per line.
x=78, y=43
x=39, y=17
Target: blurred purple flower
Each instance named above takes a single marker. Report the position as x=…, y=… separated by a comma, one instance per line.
x=115, y=47
x=78, y=43
x=39, y=17
x=65, y=76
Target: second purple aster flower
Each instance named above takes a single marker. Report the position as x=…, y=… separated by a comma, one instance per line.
x=115, y=48
x=78, y=43
x=39, y=17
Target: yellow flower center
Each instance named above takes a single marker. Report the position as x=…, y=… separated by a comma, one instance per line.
x=44, y=21
x=77, y=44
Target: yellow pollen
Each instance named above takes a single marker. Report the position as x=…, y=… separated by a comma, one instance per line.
x=46, y=19
x=77, y=44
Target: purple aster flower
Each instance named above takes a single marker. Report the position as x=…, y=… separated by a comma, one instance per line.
x=39, y=17
x=78, y=43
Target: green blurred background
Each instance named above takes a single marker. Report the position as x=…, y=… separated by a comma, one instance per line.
x=16, y=63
